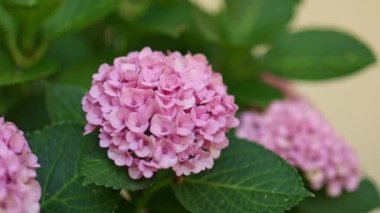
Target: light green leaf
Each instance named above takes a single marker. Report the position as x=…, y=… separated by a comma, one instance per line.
x=60, y=149
x=27, y=3
x=63, y=103
x=364, y=199
x=74, y=15
x=131, y=9
x=6, y=23
x=10, y=74
x=101, y=170
x=247, y=178
x=317, y=54
x=28, y=16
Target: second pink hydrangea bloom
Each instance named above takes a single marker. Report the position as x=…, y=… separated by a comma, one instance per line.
x=19, y=190
x=298, y=133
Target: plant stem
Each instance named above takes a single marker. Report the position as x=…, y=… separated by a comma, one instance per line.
x=23, y=61
x=145, y=196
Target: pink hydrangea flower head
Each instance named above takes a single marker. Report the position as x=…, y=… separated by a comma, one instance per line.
x=19, y=190
x=159, y=111
x=298, y=133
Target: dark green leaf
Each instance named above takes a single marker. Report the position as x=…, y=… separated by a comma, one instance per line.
x=161, y=201
x=254, y=92
x=247, y=22
x=165, y=201
x=30, y=114
x=10, y=97
x=235, y=63
x=101, y=170
x=247, y=178
x=124, y=206
x=10, y=74
x=69, y=50
x=170, y=17
x=60, y=149
x=80, y=74
x=317, y=54
x=63, y=103
x=364, y=199
x=240, y=73
x=3, y=104
x=207, y=25
x=74, y=15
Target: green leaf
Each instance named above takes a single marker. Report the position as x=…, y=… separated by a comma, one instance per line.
x=316, y=54
x=254, y=92
x=60, y=149
x=240, y=73
x=156, y=199
x=171, y=17
x=11, y=97
x=80, y=74
x=164, y=201
x=100, y=170
x=131, y=9
x=25, y=3
x=247, y=22
x=207, y=25
x=28, y=16
x=364, y=199
x=247, y=178
x=3, y=104
x=10, y=74
x=29, y=114
x=63, y=103
x=124, y=206
x=6, y=23
x=71, y=49
x=75, y=15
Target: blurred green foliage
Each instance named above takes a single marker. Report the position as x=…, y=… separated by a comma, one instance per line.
x=49, y=50
x=41, y=39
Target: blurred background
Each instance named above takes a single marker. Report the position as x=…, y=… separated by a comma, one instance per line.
x=351, y=104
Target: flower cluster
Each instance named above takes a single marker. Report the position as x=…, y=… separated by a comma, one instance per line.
x=157, y=111
x=19, y=191
x=299, y=134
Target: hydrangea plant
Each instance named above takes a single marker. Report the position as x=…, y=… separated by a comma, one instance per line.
x=131, y=105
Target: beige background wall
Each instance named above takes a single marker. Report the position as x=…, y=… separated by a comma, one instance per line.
x=352, y=104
